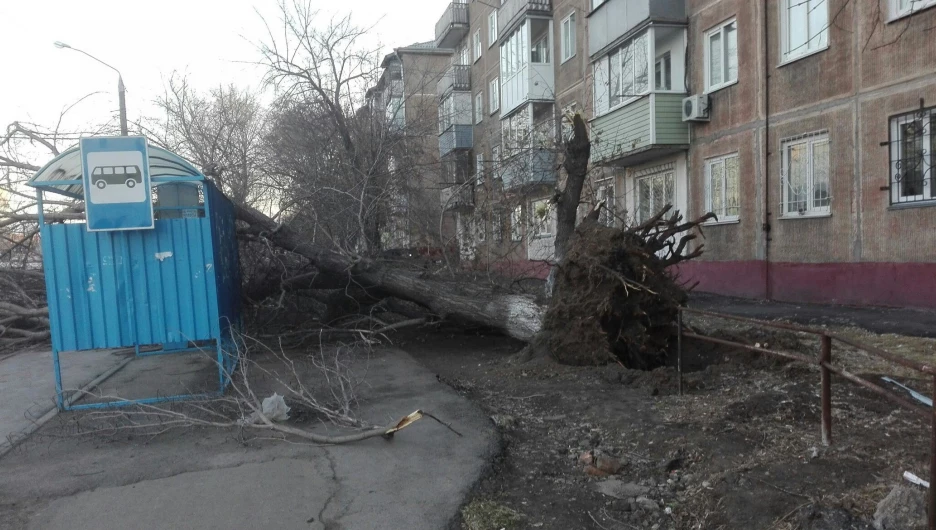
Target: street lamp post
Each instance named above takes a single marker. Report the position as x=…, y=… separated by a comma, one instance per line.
x=121, y=89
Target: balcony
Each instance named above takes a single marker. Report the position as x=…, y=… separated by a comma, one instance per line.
x=456, y=78
x=532, y=167
x=512, y=12
x=456, y=138
x=457, y=198
x=616, y=18
x=641, y=130
x=453, y=25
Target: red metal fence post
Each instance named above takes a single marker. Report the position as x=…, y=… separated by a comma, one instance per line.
x=825, y=358
x=679, y=348
x=931, y=500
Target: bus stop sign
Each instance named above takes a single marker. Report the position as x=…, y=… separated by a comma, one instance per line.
x=116, y=178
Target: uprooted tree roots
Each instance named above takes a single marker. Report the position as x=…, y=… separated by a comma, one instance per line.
x=616, y=298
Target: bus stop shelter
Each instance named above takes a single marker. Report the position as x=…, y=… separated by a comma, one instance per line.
x=167, y=283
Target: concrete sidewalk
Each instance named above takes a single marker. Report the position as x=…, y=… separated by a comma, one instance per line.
x=210, y=478
x=27, y=385
x=900, y=321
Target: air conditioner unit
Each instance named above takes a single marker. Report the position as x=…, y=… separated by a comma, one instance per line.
x=696, y=108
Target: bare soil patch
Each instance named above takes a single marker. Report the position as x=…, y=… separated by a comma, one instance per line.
x=741, y=449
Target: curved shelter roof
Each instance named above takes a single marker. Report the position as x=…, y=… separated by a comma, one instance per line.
x=63, y=173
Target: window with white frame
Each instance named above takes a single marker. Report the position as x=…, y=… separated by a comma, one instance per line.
x=492, y=28
x=479, y=107
x=479, y=167
x=654, y=192
x=477, y=45
x=539, y=52
x=721, y=55
x=804, y=27
x=913, y=156
x=542, y=218
x=804, y=175
x=663, y=70
x=568, y=37
x=901, y=8
x=606, y=193
x=628, y=71
x=494, y=95
x=516, y=224
x=722, y=194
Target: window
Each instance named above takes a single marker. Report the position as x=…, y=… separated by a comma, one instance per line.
x=804, y=27
x=461, y=55
x=606, y=194
x=664, y=72
x=479, y=107
x=480, y=228
x=627, y=71
x=542, y=218
x=492, y=28
x=721, y=56
x=722, y=195
x=515, y=132
x=395, y=114
x=540, y=51
x=477, y=45
x=901, y=8
x=516, y=224
x=568, y=37
x=514, y=53
x=497, y=225
x=494, y=95
x=495, y=159
x=479, y=168
x=653, y=193
x=568, y=114
x=804, y=175
x=913, y=156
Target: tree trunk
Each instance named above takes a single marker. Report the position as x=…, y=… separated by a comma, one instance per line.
x=518, y=316
x=577, y=153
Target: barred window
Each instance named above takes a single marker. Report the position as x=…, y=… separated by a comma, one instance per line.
x=912, y=148
x=804, y=175
x=653, y=193
x=606, y=194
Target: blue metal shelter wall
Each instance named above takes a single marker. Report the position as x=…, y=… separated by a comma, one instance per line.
x=226, y=257
x=118, y=289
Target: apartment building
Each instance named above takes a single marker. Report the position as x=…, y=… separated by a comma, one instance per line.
x=818, y=152
x=405, y=107
x=516, y=66
x=805, y=125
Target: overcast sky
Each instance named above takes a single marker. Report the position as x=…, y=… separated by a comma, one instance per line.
x=210, y=40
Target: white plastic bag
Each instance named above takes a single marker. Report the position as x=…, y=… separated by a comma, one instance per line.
x=274, y=408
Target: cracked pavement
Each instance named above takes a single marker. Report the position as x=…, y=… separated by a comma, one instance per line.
x=207, y=478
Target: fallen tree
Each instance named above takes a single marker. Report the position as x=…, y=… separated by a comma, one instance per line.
x=614, y=295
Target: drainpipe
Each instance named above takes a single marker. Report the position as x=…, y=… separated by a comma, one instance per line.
x=766, y=225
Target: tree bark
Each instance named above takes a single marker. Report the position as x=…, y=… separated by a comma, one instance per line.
x=577, y=154
x=518, y=316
